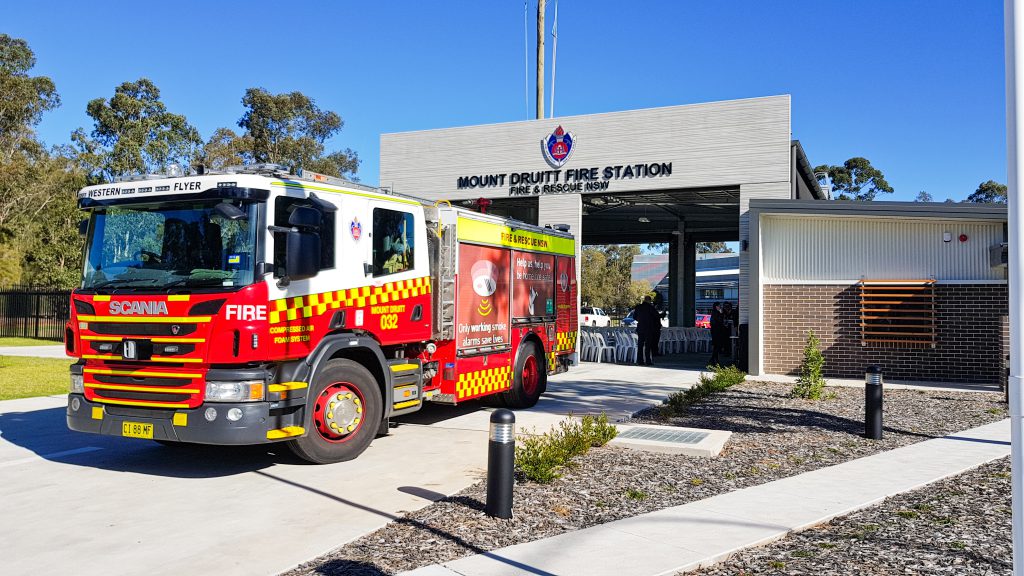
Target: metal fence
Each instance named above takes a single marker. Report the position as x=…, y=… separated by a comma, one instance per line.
x=34, y=312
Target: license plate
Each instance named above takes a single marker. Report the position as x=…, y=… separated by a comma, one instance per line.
x=137, y=430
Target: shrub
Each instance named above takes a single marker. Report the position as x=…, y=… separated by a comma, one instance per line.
x=541, y=458
x=720, y=379
x=810, y=384
x=634, y=494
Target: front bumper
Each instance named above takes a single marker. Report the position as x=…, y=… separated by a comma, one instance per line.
x=256, y=426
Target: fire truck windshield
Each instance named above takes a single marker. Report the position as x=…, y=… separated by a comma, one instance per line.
x=183, y=245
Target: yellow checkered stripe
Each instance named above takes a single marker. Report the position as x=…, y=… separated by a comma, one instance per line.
x=484, y=381
x=565, y=341
x=315, y=304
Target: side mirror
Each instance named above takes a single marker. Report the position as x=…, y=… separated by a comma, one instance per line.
x=302, y=254
x=305, y=217
x=83, y=227
x=230, y=211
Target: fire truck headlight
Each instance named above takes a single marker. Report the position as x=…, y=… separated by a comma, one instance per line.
x=241, y=391
x=77, y=384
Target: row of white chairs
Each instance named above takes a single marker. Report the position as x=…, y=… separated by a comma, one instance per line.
x=620, y=344
x=678, y=339
x=608, y=344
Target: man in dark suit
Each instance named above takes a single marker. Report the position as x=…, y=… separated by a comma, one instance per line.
x=648, y=324
x=718, y=333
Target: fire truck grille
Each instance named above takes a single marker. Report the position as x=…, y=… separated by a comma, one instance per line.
x=129, y=380
x=128, y=412
x=117, y=348
x=141, y=329
x=144, y=396
x=145, y=387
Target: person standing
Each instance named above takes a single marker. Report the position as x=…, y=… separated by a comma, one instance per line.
x=648, y=325
x=717, y=331
x=729, y=327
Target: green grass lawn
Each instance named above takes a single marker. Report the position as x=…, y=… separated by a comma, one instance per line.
x=28, y=342
x=24, y=377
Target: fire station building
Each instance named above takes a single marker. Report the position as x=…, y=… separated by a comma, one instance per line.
x=687, y=174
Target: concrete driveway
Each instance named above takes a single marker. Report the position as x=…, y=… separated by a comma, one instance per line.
x=95, y=505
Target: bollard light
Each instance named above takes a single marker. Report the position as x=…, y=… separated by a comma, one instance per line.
x=873, y=375
x=873, y=402
x=501, y=452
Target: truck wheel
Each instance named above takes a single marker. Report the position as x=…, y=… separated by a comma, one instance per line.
x=343, y=413
x=529, y=380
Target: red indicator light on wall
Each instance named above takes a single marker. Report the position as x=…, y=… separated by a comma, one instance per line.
x=963, y=237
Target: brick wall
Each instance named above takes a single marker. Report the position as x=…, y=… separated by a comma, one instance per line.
x=971, y=326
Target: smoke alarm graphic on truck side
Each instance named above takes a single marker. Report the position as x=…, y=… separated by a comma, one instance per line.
x=261, y=306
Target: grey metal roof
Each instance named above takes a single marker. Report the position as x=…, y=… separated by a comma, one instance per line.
x=881, y=209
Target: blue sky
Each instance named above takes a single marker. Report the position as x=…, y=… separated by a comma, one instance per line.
x=915, y=86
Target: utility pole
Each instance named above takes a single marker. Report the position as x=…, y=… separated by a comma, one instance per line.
x=540, y=59
x=1013, y=24
x=554, y=59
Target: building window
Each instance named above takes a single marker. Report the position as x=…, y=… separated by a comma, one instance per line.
x=393, y=242
x=283, y=208
x=713, y=294
x=897, y=314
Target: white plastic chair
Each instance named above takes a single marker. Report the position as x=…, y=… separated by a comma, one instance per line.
x=704, y=337
x=680, y=342
x=625, y=346
x=667, y=344
x=587, y=347
x=692, y=343
x=601, y=348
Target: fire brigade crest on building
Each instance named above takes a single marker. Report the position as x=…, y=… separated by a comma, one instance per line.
x=558, y=147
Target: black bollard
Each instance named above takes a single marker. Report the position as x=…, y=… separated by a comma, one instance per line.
x=501, y=452
x=873, y=403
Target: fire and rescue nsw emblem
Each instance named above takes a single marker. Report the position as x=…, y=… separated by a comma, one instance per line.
x=356, y=229
x=558, y=147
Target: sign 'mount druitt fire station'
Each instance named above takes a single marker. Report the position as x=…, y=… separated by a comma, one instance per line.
x=572, y=180
x=556, y=148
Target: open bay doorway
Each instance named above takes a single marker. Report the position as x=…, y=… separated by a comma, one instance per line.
x=616, y=278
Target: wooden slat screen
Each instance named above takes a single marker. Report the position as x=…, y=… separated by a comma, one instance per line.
x=897, y=313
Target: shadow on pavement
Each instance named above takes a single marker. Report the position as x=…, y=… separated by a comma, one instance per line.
x=45, y=433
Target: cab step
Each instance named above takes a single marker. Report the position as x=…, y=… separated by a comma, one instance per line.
x=407, y=381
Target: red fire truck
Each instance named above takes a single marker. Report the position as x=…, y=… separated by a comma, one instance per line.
x=257, y=305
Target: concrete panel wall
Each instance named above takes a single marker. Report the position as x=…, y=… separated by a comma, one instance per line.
x=709, y=145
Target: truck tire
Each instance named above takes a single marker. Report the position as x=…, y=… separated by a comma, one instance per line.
x=529, y=378
x=343, y=413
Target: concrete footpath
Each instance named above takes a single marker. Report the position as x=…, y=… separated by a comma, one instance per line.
x=708, y=531
x=56, y=351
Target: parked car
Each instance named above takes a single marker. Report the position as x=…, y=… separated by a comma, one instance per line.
x=593, y=317
x=703, y=321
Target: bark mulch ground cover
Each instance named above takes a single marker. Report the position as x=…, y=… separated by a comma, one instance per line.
x=959, y=526
x=774, y=436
